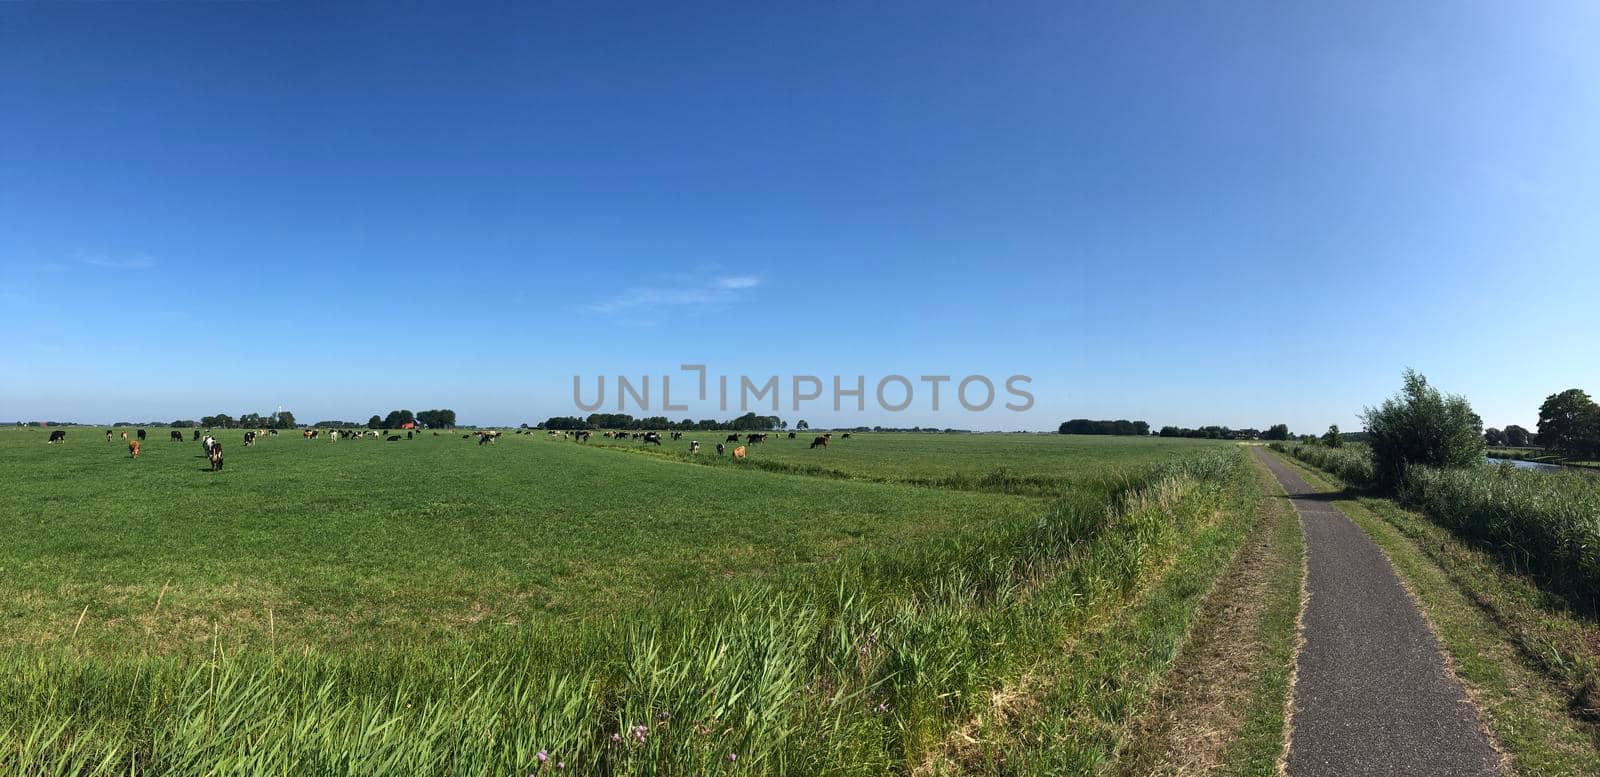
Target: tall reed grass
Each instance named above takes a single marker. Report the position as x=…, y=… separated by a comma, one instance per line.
x=1544, y=523
x=859, y=669
x=1351, y=463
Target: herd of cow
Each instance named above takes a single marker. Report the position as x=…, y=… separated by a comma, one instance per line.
x=654, y=438
x=213, y=448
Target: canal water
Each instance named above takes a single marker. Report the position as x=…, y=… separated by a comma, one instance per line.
x=1519, y=464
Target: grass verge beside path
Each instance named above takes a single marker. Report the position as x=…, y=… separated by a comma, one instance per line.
x=1077, y=710
x=1525, y=661
x=1223, y=708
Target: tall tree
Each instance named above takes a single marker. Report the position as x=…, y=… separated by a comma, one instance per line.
x=398, y=418
x=1570, y=422
x=1517, y=436
x=437, y=419
x=1494, y=437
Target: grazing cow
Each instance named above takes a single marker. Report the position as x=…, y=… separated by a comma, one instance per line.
x=719, y=449
x=124, y=436
x=652, y=438
x=738, y=452
x=215, y=454
x=466, y=436
x=844, y=436
x=694, y=446
x=196, y=434
x=177, y=436
x=207, y=444
x=108, y=435
x=57, y=436
x=141, y=435
x=249, y=439
x=133, y=449
x=791, y=435
x=273, y=432
x=408, y=435
x=392, y=437
x=732, y=438
x=582, y=436
x=676, y=436
x=821, y=441
x=752, y=439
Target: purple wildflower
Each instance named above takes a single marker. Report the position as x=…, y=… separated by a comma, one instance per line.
x=543, y=756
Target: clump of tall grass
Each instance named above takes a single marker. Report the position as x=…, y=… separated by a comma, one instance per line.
x=859, y=668
x=1545, y=523
x=1351, y=463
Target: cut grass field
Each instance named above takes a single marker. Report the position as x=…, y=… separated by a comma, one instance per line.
x=433, y=606
x=366, y=539
x=1029, y=464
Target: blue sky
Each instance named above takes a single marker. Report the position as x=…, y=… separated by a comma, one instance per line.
x=1188, y=215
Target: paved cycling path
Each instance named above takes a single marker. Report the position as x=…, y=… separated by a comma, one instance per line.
x=1372, y=695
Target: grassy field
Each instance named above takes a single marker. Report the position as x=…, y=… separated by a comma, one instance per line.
x=1030, y=464
x=366, y=538
x=433, y=605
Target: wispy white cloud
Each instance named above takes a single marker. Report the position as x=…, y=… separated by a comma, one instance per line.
x=687, y=293
x=137, y=263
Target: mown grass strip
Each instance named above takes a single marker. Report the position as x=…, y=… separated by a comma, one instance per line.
x=1222, y=709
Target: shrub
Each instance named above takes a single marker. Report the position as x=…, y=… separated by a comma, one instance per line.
x=1421, y=426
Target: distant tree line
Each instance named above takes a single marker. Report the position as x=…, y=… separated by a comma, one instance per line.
x=746, y=422
x=1513, y=435
x=1224, y=433
x=282, y=419
x=1117, y=427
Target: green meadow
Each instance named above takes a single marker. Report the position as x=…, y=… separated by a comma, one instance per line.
x=438, y=606
x=430, y=537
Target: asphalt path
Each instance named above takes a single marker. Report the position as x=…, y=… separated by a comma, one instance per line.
x=1372, y=693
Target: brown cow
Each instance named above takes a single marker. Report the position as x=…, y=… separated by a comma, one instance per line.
x=133, y=449
x=738, y=452
x=822, y=440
